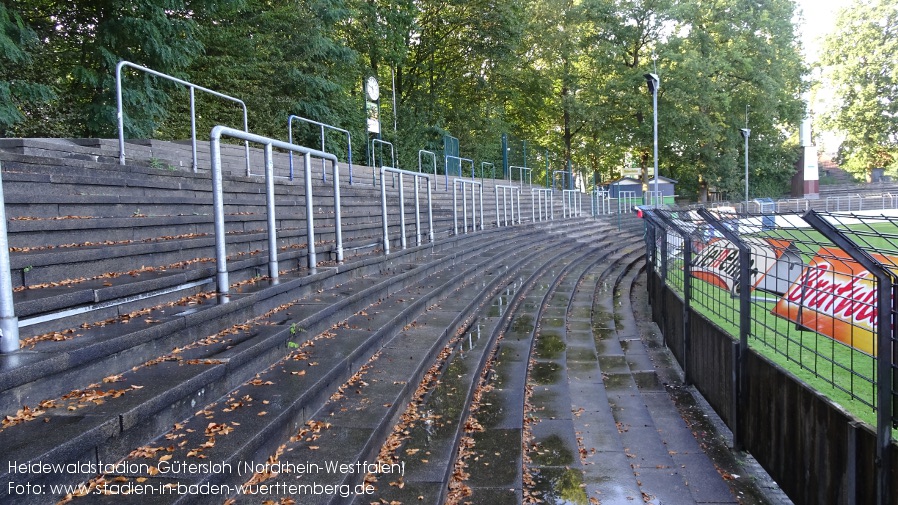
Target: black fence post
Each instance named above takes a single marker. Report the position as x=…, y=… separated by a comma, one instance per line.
x=739, y=365
x=687, y=290
x=663, y=230
x=650, y=254
x=884, y=354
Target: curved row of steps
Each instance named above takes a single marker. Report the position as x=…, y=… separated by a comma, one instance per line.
x=130, y=366
x=187, y=372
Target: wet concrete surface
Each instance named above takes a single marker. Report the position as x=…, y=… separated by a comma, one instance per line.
x=626, y=437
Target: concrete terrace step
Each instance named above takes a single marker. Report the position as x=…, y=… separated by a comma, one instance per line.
x=360, y=421
x=431, y=448
x=116, y=339
x=225, y=358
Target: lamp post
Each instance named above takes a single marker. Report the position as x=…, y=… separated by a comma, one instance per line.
x=654, y=83
x=745, y=133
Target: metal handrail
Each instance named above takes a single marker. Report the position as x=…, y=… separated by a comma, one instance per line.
x=654, y=198
x=323, y=149
x=571, y=203
x=601, y=202
x=446, y=159
x=218, y=201
x=383, y=207
x=373, y=158
x=464, y=194
x=541, y=198
x=508, y=193
x=121, y=118
x=492, y=169
x=564, y=178
x=625, y=199
x=433, y=156
x=9, y=323
x=521, y=171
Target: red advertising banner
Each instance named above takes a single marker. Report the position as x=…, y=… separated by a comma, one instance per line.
x=718, y=262
x=836, y=297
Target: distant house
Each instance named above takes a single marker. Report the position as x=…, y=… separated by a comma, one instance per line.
x=666, y=186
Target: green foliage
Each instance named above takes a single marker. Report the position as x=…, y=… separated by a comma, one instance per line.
x=18, y=89
x=564, y=75
x=859, y=59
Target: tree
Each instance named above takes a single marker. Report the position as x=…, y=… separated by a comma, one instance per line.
x=17, y=41
x=726, y=59
x=859, y=59
x=81, y=44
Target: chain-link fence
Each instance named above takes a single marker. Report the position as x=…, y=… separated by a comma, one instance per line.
x=812, y=292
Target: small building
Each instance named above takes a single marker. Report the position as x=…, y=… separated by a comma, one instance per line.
x=623, y=185
x=666, y=186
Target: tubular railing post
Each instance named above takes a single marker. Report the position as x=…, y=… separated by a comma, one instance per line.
x=221, y=257
x=884, y=350
x=310, y=215
x=324, y=150
x=430, y=208
x=520, y=219
x=464, y=205
x=741, y=350
x=532, y=207
x=193, y=128
x=9, y=323
x=417, y=214
x=480, y=196
x=687, y=287
x=402, y=240
x=552, y=205
x=454, y=206
x=498, y=221
x=383, y=212
x=272, y=226
x=337, y=203
x=119, y=115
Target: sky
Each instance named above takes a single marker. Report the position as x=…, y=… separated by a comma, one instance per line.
x=819, y=19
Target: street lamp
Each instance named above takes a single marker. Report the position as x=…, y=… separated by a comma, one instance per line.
x=745, y=133
x=654, y=83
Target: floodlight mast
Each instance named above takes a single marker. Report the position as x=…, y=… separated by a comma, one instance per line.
x=745, y=133
x=654, y=83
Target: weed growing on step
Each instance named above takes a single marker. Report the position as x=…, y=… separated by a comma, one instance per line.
x=294, y=329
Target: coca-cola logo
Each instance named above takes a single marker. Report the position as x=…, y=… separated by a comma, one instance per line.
x=847, y=297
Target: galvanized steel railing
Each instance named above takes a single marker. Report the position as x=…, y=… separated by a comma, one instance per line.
x=508, y=193
x=383, y=207
x=542, y=200
x=492, y=169
x=322, y=126
x=476, y=190
x=626, y=200
x=564, y=179
x=433, y=156
x=521, y=171
x=571, y=203
x=9, y=323
x=601, y=202
x=191, y=87
x=218, y=201
x=448, y=157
